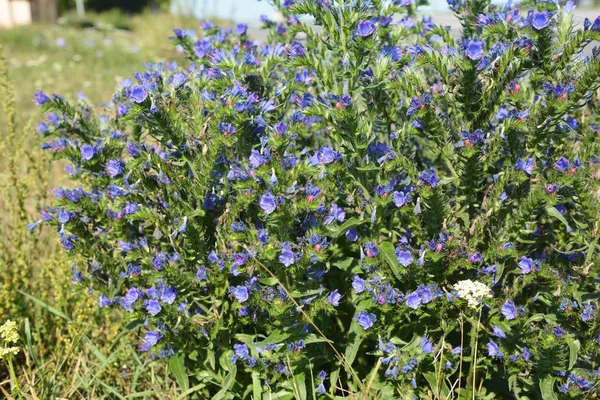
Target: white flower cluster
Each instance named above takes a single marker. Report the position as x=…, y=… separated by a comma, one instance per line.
x=9, y=334
x=471, y=291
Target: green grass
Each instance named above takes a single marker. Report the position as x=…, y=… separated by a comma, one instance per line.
x=69, y=348
x=97, y=53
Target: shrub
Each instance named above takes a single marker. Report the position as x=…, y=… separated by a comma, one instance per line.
x=373, y=208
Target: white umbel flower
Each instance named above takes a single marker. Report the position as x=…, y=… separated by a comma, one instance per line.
x=472, y=291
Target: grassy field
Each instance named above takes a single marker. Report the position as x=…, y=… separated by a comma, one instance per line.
x=69, y=349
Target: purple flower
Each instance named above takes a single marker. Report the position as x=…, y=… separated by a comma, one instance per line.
x=559, y=332
x=256, y=159
x=152, y=306
x=526, y=354
x=365, y=319
x=493, y=349
x=474, y=49
x=498, y=332
x=40, y=98
x=371, y=249
x=426, y=345
x=476, y=258
x=296, y=49
x=562, y=164
x=114, y=168
x=404, y=257
x=540, y=20
x=526, y=264
x=525, y=166
x=267, y=203
x=87, y=152
x=334, y=298
x=358, y=284
x=413, y=300
x=509, y=310
x=137, y=94
x=103, y=301
x=335, y=214
x=352, y=235
x=150, y=340
x=177, y=80
x=287, y=256
x=241, y=29
x=240, y=293
x=365, y=28
x=399, y=198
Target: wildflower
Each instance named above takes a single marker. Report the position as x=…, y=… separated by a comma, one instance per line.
x=493, y=349
x=8, y=332
x=474, y=49
x=87, y=152
x=150, y=340
x=240, y=293
x=509, y=310
x=287, y=256
x=404, y=257
x=334, y=298
x=365, y=319
x=352, y=235
x=267, y=203
x=114, y=168
x=526, y=265
x=358, y=284
x=371, y=249
x=137, y=94
x=152, y=306
x=40, y=98
x=498, y=332
x=473, y=292
x=365, y=28
x=540, y=20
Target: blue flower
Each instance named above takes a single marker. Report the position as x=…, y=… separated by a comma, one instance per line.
x=335, y=214
x=399, y=198
x=240, y=293
x=404, y=257
x=413, y=300
x=40, y=98
x=137, y=94
x=114, y=168
x=540, y=20
x=352, y=235
x=493, y=349
x=498, y=332
x=526, y=265
x=562, y=164
x=509, y=310
x=267, y=203
x=103, y=301
x=365, y=319
x=525, y=166
x=87, y=152
x=474, y=49
x=358, y=284
x=365, y=28
x=371, y=249
x=152, y=306
x=287, y=256
x=426, y=346
x=334, y=298
x=150, y=340
x=241, y=29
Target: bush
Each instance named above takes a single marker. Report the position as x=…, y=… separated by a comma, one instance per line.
x=372, y=208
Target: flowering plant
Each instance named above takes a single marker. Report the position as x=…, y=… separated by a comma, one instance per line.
x=291, y=219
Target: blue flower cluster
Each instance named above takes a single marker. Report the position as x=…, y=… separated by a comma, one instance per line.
x=310, y=202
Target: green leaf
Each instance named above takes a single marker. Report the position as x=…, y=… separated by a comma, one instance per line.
x=256, y=385
x=553, y=212
x=227, y=384
x=574, y=346
x=388, y=252
x=337, y=231
x=177, y=368
x=300, y=385
x=547, y=388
